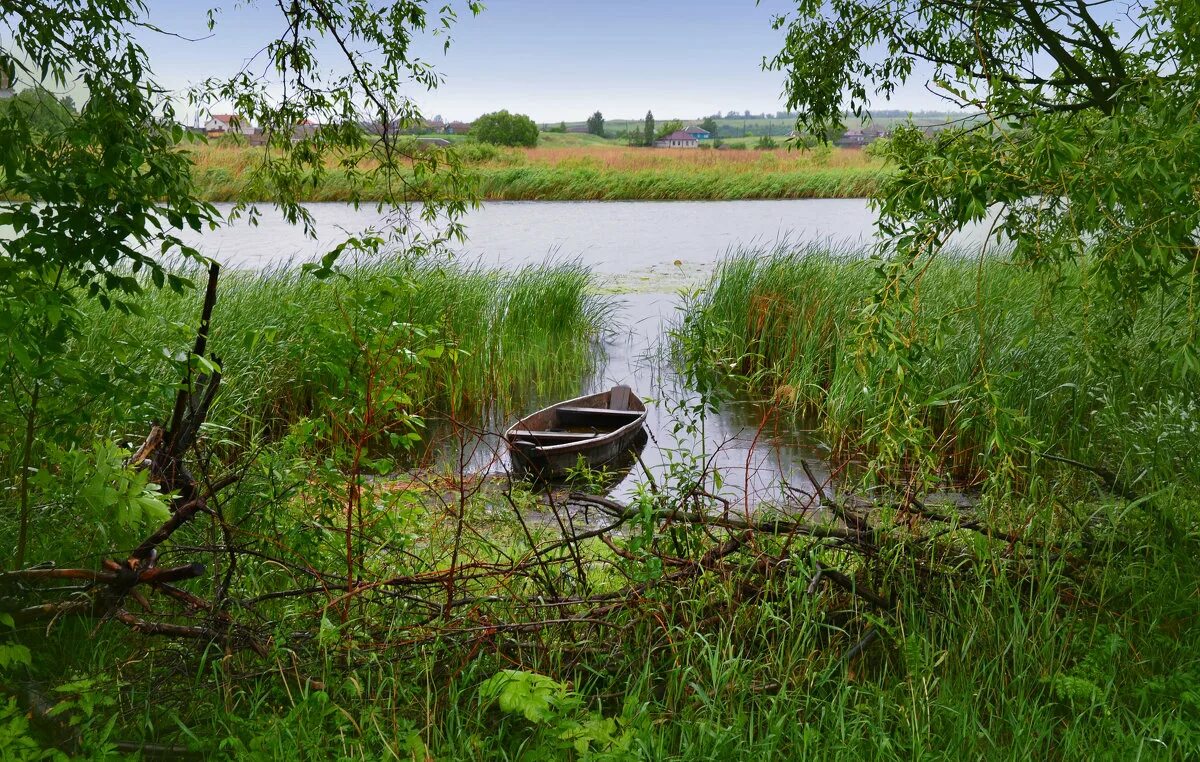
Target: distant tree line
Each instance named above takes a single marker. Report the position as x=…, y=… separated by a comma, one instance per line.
x=768, y=129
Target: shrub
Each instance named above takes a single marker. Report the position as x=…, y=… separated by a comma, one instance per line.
x=504, y=129
x=878, y=149
x=474, y=152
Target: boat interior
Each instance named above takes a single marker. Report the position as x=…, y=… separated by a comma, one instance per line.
x=570, y=423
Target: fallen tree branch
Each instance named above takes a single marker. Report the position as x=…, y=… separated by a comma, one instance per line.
x=621, y=511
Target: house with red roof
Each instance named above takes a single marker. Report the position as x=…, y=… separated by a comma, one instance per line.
x=227, y=124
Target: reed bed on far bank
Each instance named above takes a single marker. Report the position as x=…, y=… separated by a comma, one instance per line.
x=790, y=318
x=686, y=183
x=637, y=159
x=490, y=339
x=587, y=173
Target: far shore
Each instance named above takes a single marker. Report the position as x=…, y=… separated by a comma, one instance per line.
x=561, y=170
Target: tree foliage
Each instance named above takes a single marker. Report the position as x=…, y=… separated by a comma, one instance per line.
x=666, y=129
x=1087, y=135
x=595, y=124
x=97, y=201
x=44, y=113
x=648, y=129
x=710, y=125
x=504, y=129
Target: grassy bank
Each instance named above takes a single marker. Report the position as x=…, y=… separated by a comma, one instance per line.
x=790, y=318
x=460, y=340
x=577, y=172
x=584, y=184
x=1047, y=659
x=445, y=615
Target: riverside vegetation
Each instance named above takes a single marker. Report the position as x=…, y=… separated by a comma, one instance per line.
x=510, y=337
x=718, y=663
x=1084, y=451
x=590, y=173
x=789, y=316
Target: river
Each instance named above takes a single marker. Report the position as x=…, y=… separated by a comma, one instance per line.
x=611, y=237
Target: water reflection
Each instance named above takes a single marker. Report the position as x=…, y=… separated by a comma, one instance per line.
x=751, y=453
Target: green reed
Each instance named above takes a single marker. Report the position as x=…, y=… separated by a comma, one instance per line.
x=280, y=335
x=791, y=318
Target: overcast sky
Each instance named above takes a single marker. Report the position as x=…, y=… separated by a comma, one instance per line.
x=551, y=59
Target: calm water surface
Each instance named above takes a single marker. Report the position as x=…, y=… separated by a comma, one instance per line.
x=611, y=237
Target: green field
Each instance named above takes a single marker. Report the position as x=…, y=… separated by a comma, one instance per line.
x=755, y=126
x=572, y=139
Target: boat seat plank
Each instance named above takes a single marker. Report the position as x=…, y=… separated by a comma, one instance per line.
x=550, y=436
x=599, y=412
x=618, y=398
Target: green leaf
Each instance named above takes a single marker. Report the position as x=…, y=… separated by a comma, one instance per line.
x=535, y=697
x=13, y=654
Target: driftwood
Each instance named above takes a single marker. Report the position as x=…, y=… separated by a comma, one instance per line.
x=623, y=513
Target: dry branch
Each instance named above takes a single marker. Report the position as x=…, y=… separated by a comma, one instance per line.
x=163, y=453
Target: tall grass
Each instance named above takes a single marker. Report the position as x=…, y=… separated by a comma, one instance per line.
x=628, y=159
x=791, y=316
x=1081, y=642
x=280, y=334
x=1003, y=658
x=542, y=183
x=994, y=671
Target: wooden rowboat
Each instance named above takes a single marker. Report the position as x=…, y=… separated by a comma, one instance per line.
x=599, y=428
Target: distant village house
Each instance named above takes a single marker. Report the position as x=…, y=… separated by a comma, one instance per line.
x=305, y=130
x=457, y=128
x=857, y=138
x=227, y=124
x=677, y=139
x=699, y=133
